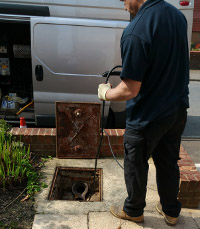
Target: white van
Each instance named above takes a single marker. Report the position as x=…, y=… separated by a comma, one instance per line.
x=57, y=50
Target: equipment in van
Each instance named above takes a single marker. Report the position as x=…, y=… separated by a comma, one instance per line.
x=12, y=102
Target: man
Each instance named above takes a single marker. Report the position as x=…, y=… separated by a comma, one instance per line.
x=155, y=77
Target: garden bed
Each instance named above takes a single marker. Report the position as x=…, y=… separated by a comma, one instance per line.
x=16, y=205
x=19, y=214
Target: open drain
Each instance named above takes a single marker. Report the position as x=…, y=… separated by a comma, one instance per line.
x=75, y=184
x=80, y=189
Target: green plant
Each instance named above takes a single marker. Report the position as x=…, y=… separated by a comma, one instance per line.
x=195, y=47
x=16, y=165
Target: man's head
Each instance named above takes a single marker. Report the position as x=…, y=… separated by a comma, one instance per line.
x=132, y=6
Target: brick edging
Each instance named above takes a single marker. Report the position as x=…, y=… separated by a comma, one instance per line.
x=42, y=141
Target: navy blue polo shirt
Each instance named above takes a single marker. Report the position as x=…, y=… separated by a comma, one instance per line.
x=154, y=51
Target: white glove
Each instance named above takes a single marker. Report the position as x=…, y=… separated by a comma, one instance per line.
x=103, y=88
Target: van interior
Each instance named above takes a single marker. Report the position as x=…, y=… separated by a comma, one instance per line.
x=16, y=89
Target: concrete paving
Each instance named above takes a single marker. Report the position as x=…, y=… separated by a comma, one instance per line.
x=59, y=214
x=195, y=75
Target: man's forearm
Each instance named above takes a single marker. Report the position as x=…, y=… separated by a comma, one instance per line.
x=124, y=91
x=116, y=94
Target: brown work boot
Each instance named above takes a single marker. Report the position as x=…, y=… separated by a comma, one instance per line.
x=118, y=212
x=171, y=221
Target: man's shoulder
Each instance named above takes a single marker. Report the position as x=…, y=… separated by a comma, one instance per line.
x=130, y=32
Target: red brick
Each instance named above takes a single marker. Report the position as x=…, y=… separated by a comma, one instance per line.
x=28, y=131
x=191, y=177
x=15, y=130
x=121, y=148
x=35, y=131
x=188, y=172
x=120, y=153
x=41, y=131
x=51, y=140
x=106, y=149
x=53, y=132
x=22, y=131
x=197, y=176
x=35, y=139
x=113, y=132
x=108, y=131
x=192, y=186
x=105, y=140
x=114, y=140
x=189, y=195
x=184, y=202
x=188, y=167
x=120, y=140
x=27, y=139
x=184, y=186
x=48, y=131
x=198, y=186
x=105, y=154
x=120, y=132
x=193, y=203
x=37, y=147
x=186, y=161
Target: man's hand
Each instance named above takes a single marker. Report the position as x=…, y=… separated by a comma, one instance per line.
x=103, y=88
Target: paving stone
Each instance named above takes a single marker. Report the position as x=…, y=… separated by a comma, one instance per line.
x=196, y=217
x=50, y=221
x=154, y=221
x=106, y=220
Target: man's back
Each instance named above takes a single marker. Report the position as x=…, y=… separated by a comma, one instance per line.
x=161, y=31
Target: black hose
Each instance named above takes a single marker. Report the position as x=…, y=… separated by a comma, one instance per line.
x=102, y=130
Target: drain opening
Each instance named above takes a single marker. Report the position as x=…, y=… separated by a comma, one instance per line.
x=75, y=184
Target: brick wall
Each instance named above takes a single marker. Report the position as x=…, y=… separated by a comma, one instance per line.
x=195, y=60
x=196, y=37
x=43, y=142
x=196, y=17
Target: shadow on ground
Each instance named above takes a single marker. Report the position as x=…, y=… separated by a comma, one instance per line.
x=192, y=128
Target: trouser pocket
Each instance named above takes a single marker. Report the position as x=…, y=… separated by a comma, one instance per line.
x=134, y=148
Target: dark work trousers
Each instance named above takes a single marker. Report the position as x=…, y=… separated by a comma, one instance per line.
x=161, y=140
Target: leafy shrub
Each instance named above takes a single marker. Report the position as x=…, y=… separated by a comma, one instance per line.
x=195, y=47
x=16, y=165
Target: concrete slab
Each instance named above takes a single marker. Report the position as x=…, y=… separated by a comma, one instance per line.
x=106, y=220
x=96, y=215
x=50, y=221
x=114, y=190
x=154, y=221
x=113, y=187
x=196, y=217
x=194, y=74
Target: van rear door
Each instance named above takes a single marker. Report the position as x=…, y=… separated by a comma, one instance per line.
x=68, y=59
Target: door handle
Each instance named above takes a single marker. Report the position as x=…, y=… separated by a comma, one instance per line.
x=39, y=72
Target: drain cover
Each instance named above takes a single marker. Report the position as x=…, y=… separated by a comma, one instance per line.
x=78, y=129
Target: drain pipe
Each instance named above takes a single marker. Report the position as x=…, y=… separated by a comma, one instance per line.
x=107, y=75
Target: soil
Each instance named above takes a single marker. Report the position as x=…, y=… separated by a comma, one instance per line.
x=19, y=215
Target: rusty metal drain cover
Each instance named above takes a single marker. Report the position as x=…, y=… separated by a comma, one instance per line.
x=65, y=179
x=78, y=129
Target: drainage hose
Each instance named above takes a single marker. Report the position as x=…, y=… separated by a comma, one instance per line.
x=107, y=75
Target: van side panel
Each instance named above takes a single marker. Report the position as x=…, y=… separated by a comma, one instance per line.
x=73, y=59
